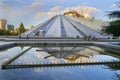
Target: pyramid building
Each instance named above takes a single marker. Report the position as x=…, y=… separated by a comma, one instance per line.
x=62, y=26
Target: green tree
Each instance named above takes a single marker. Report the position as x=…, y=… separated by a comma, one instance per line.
x=17, y=30
x=1, y=32
x=21, y=28
x=114, y=27
x=115, y=14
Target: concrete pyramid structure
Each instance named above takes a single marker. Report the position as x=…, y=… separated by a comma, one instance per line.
x=62, y=26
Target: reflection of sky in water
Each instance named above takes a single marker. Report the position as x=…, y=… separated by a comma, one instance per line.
x=56, y=55
x=103, y=57
x=57, y=73
x=60, y=73
x=10, y=53
x=35, y=57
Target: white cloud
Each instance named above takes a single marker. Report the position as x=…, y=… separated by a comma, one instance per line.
x=36, y=4
x=47, y=14
x=39, y=14
x=56, y=8
x=67, y=10
x=86, y=11
x=5, y=7
x=113, y=5
x=51, y=12
x=30, y=8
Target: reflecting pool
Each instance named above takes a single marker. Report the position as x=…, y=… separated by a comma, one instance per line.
x=60, y=55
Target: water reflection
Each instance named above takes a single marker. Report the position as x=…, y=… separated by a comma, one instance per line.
x=22, y=47
x=75, y=53
x=116, y=76
x=64, y=54
x=7, y=54
x=114, y=67
x=60, y=54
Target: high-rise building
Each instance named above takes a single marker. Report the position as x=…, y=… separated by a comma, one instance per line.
x=9, y=27
x=3, y=23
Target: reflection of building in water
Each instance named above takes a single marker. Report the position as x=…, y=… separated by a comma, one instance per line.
x=70, y=53
x=62, y=51
x=86, y=54
x=45, y=57
x=41, y=54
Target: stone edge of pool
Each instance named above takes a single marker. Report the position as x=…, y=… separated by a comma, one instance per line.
x=4, y=45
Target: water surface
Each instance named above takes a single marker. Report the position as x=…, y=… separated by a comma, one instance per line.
x=60, y=55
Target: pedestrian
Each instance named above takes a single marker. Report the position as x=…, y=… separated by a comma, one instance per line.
x=27, y=36
x=19, y=36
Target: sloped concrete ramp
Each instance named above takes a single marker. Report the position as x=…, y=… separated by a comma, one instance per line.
x=62, y=26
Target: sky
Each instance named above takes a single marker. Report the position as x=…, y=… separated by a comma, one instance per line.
x=33, y=12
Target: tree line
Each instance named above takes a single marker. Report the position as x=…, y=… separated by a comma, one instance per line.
x=21, y=29
x=114, y=27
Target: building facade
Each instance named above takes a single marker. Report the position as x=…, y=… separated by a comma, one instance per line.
x=9, y=27
x=3, y=24
x=92, y=23
x=62, y=26
x=74, y=14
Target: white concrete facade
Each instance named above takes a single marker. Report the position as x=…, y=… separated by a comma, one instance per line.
x=62, y=26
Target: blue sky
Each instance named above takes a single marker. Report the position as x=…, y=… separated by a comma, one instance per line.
x=33, y=12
